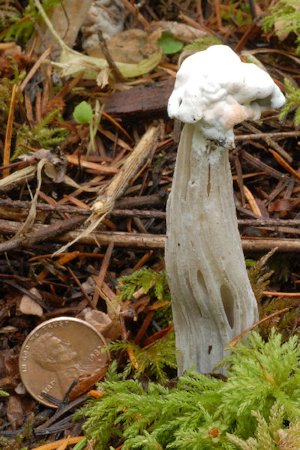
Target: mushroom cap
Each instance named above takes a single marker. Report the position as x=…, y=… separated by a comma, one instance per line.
x=215, y=87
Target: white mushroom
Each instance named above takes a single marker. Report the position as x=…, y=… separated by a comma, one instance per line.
x=212, y=299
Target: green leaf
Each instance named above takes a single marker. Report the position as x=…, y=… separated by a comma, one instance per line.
x=83, y=113
x=169, y=43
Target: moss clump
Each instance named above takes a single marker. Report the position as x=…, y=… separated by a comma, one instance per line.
x=43, y=134
x=202, y=412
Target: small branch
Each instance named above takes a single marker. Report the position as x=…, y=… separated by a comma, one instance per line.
x=28, y=293
x=40, y=233
x=279, y=135
x=282, y=294
x=58, y=233
x=252, y=9
x=84, y=293
x=135, y=12
x=125, y=203
x=257, y=163
x=114, y=68
x=284, y=164
x=120, y=212
x=270, y=142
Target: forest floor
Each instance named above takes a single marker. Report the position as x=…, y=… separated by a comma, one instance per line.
x=59, y=162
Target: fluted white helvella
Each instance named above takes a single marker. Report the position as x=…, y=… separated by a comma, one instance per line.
x=212, y=299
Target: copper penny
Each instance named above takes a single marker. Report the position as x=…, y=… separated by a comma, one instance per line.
x=57, y=353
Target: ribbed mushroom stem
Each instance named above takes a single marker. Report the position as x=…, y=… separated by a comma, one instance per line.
x=212, y=299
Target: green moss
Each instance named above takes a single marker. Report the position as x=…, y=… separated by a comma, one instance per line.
x=292, y=95
x=154, y=361
x=42, y=134
x=18, y=25
x=284, y=18
x=152, y=282
x=202, y=412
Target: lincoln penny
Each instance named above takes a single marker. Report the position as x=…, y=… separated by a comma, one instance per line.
x=58, y=353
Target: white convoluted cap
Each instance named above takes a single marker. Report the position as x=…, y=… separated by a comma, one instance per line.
x=215, y=87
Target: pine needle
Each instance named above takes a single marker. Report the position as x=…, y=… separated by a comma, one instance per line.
x=9, y=130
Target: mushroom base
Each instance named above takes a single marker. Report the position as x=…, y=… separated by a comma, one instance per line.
x=212, y=299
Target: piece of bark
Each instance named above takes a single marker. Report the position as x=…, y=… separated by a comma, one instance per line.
x=140, y=100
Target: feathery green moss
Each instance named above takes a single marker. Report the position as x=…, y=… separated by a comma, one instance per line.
x=202, y=412
x=148, y=279
x=284, y=17
x=154, y=361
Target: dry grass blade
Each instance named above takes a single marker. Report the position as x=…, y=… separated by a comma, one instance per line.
x=34, y=69
x=79, y=161
x=105, y=202
x=27, y=225
x=234, y=341
x=16, y=178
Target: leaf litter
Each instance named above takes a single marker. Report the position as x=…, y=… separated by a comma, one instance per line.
x=108, y=199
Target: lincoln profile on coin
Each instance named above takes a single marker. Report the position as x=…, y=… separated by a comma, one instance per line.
x=58, y=356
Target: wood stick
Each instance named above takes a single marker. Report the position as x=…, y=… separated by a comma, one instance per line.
x=56, y=233
x=40, y=233
x=123, y=210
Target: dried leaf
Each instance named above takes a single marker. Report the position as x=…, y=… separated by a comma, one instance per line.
x=110, y=328
x=28, y=306
x=169, y=43
x=181, y=31
x=73, y=63
x=130, y=46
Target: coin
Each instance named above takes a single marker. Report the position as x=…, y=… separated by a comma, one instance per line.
x=57, y=353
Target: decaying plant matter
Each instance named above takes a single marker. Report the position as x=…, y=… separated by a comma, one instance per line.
x=63, y=171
